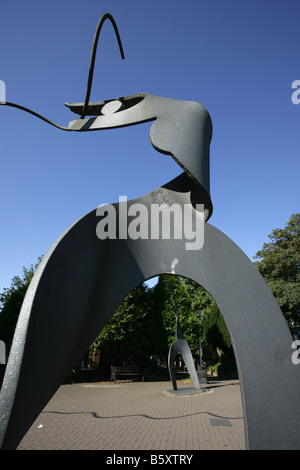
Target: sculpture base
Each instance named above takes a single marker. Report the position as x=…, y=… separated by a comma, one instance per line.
x=186, y=391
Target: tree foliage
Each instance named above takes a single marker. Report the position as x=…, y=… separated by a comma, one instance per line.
x=279, y=264
x=144, y=326
x=133, y=334
x=11, y=300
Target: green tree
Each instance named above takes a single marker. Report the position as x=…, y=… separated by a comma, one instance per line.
x=11, y=300
x=217, y=340
x=143, y=327
x=279, y=264
x=199, y=318
x=133, y=333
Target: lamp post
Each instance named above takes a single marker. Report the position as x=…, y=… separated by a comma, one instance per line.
x=199, y=339
x=202, y=375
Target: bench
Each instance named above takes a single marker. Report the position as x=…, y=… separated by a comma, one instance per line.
x=126, y=371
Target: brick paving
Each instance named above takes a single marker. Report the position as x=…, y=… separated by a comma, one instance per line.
x=140, y=416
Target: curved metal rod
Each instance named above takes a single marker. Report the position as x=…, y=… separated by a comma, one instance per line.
x=90, y=78
x=171, y=288
x=14, y=105
x=93, y=56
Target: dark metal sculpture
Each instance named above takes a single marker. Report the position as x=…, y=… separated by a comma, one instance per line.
x=180, y=345
x=72, y=294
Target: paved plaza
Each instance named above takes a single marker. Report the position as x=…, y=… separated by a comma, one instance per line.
x=140, y=416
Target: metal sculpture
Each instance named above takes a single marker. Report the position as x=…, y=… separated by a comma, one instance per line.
x=180, y=345
x=72, y=294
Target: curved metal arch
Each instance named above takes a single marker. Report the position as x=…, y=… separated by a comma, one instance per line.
x=58, y=321
x=72, y=295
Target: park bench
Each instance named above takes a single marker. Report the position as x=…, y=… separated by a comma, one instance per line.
x=126, y=371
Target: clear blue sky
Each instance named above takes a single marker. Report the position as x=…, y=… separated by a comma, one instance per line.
x=237, y=58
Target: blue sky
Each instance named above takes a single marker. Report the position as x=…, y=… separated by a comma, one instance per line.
x=238, y=59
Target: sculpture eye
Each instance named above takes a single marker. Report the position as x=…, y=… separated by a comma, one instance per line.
x=112, y=107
